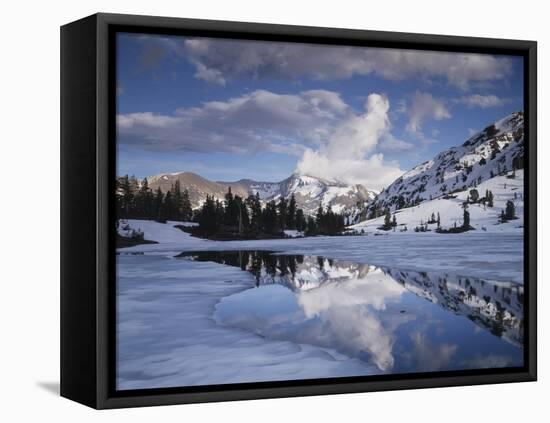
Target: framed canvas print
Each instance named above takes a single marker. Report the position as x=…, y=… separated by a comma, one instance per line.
x=255, y=211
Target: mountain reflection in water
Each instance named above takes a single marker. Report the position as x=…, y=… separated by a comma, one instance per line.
x=400, y=320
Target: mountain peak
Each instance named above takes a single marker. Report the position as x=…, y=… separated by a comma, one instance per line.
x=491, y=152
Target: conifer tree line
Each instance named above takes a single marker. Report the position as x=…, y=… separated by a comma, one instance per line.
x=139, y=201
x=248, y=217
x=245, y=216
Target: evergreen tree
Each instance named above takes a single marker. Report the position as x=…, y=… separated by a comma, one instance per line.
x=401, y=202
x=490, y=199
x=300, y=220
x=466, y=219
x=220, y=212
x=319, y=217
x=158, y=204
x=134, y=185
x=474, y=195
x=255, y=206
x=387, y=218
x=438, y=221
x=186, y=209
x=168, y=206
x=177, y=201
x=311, y=227
x=291, y=213
x=269, y=218
x=510, y=210
x=209, y=215
x=230, y=210
x=243, y=220
x=144, y=201
x=282, y=210
x=127, y=197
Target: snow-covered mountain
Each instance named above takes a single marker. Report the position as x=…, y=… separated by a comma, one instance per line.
x=309, y=191
x=508, y=187
x=489, y=153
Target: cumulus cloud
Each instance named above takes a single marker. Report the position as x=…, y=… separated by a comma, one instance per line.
x=348, y=155
x=331, y=139
x=424, y=107
x=482, y=101
x=219, y=60
x=257, y=121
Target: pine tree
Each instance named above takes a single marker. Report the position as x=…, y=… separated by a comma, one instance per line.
x=269, y=218
x=490, y=199
x=466, y=219
x=311, y=227
x=282, y=212
x=158, y=204
x=510, y=210
x=300, y=220
x=474, y=195
x=319, y=218
x=144, y=201
x=127, y=197
x=177, y=200
x=387, y=219
x=243, y=218
x=168, y=206
x=186, y=209
x=291, y=213
x=401, y=203
x=253, y=203
x=230, y=212
x=209, y=215
x=220, y=212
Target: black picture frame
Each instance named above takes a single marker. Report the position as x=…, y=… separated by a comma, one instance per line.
x=88, y=106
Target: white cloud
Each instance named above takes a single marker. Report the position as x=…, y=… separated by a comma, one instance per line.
x=332, y=140
x=219, y=60
x=257, y=121
x=345, y=156
x=482, y=101
x=423, y=107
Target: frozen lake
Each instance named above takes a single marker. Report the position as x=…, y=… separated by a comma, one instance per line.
x=195, y=312
x=481, y=254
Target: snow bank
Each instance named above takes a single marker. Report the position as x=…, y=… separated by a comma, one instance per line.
x=165, y=233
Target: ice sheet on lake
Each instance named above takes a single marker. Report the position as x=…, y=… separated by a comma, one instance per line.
x=486, y=255
x=166, y=335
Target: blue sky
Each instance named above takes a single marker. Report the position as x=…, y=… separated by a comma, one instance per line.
x=232, y=109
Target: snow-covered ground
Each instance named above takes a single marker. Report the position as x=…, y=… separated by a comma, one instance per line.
x=482, y=218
